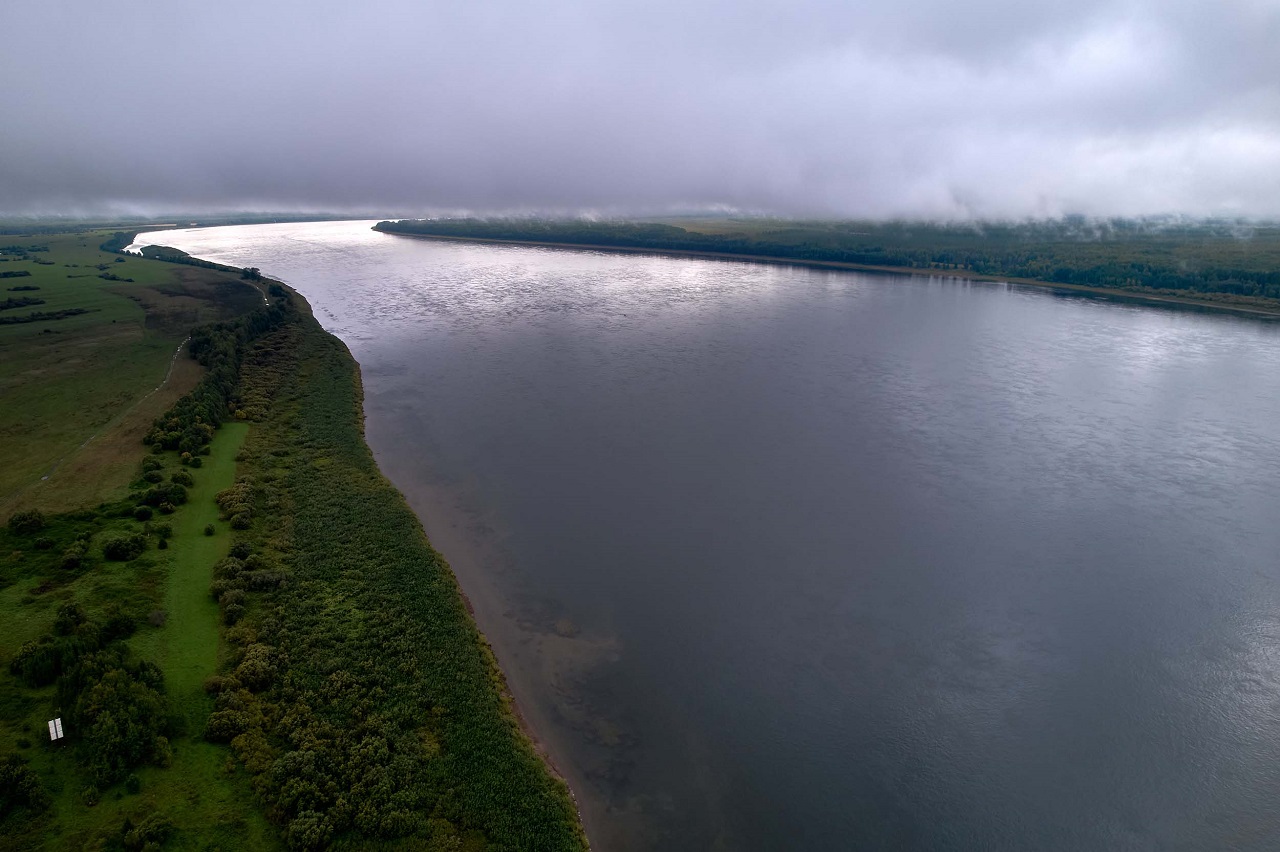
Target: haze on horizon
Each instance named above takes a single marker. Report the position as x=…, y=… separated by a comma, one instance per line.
x=926, y=108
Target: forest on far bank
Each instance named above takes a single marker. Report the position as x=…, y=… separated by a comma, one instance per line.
x=1225, y=261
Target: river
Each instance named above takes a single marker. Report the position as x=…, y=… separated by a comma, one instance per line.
x=781, y=558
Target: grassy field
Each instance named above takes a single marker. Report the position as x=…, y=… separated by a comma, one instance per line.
x=204, y=798
x=80, y=393
x=93, y=375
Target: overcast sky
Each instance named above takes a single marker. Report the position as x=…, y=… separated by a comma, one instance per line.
x=933, y=108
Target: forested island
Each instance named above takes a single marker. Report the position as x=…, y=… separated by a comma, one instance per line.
x=1225, y=263
x=238, y=624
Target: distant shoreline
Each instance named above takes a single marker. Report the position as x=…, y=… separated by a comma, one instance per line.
x=1106, y=293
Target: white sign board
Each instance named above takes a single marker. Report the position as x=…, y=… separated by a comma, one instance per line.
x=55, y=729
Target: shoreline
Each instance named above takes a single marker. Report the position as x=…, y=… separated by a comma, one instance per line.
x=435, y=506
x=444, y=522
x=1104, y=293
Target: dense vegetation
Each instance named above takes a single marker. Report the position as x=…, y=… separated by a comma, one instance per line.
x=357, y=696
x=44, y=316
x=19, y=302
x=361, y=697
x=1217, y=261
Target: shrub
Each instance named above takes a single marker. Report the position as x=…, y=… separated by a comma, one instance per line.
x=167, y=508
x=172, y=493
x=133, y=784
x=151, y=833
x=182, y=478
x=153, y=476
x=162, y=530
x=240, y=550
x=151, y=464
x=69, y=617
x=73, y=556
x=163, y=544
x=122, y=547
x=44, y=543
x=143, y=513
x=196, y=462
x=20, y=787
x=25, y=523
x=241, y=521
x=209, y=529
x=119, y=713
x=157, y=618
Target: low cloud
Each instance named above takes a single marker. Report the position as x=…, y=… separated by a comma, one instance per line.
x=926, y=108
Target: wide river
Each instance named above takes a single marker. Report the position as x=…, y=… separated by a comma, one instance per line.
x=777, y=558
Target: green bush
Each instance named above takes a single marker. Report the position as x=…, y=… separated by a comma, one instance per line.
x=171, y=493
x=20, y=787
x=74, y=556
x=121, y=547
x=153, y=476
x=143, y=513
x=118, y=712
x=26, y=523
x=181, y=477
x=69, y=617
x=209, y=529
x=151, y=834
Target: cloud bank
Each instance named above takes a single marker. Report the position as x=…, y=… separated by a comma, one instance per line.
x=992, y=108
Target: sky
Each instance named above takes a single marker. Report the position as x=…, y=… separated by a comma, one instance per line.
x=879, y=108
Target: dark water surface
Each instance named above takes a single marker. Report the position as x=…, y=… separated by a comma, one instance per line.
x=780, y=558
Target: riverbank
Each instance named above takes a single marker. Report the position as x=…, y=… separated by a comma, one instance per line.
x=321, y=637
x=368, y=630
x=1108, y=293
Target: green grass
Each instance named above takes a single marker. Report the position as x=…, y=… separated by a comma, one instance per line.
x=187, y=649
x=203, y=793
x=64, y=381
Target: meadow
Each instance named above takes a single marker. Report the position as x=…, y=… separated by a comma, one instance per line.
x=99, y=376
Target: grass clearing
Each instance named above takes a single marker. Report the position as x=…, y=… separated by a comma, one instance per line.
x=63, y=381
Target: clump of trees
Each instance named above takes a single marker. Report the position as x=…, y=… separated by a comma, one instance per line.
x=19, y=302
x=121, y=547
x=189, y=425
x=20, y=787
x=26, y=523
x=113, y=705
